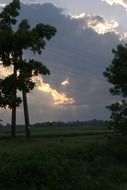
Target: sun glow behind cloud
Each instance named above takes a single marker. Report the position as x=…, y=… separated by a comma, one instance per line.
x=5, y=71
x=2, y=5
x=97, y=23
x=117, y=2
x=102, y=28
x=59, y=98
x=65, y=83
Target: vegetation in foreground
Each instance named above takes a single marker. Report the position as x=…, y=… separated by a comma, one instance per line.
x=89, y=162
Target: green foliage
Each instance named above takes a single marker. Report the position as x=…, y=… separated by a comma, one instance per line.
x=119, y=116
x=27, y=71
x=7, y=16
x=7, y=87
x=14, y=40
x=58, y=164
x=116, y=74
x=12, y=45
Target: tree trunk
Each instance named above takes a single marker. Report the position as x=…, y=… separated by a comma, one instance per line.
x=13, y=127
x=26, y=114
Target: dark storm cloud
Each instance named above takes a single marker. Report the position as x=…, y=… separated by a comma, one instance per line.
x=75, y=53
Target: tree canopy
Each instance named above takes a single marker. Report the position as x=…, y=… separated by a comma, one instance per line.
x=116, y=74
x=14, y=40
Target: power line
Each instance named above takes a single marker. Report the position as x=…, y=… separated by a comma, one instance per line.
x=83, y=60
x=71, y=86
x=80, y=51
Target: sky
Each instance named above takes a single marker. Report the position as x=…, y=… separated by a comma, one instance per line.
x=77, y=56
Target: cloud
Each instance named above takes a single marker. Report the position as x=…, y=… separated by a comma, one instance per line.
x=117, y=2
x=77, y=55
x=4, y=71
x=58, y=98
x=97, y=23
x=123, y=36
x=2, y=5
x=65, y=82
x=100, y=25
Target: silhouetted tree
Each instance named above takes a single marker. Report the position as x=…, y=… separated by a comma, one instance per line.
x=14, y=40
x=116, y=74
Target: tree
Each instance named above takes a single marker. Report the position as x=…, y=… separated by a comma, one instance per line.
x=116, y=74
x=14, y=40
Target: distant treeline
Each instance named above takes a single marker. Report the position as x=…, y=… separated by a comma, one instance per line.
x=90, y=123
x=94, y=122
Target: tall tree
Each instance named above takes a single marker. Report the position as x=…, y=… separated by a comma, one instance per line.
x=13, y=43
x=116, y=74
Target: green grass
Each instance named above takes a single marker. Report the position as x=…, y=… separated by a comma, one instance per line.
x=63, y=159
x=58, y=131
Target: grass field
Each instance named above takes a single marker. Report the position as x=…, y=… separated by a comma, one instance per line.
x=55, y=137
x=58, y=131
x=73, y=158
